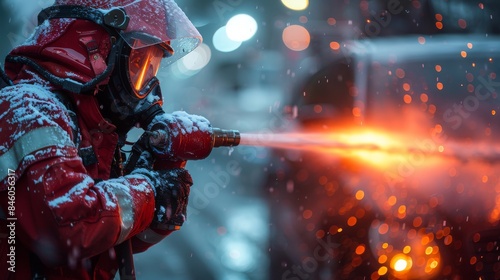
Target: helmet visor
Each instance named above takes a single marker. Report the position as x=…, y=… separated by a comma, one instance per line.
x=144, y=64
x=164, y=23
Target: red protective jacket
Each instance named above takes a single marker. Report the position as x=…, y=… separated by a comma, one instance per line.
x=67, y=215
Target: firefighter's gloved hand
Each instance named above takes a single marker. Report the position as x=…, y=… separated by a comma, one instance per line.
x=171, y=188
x=172, y=199
x=146, y=161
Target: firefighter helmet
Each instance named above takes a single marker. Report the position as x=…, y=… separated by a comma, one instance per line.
x=151, y=22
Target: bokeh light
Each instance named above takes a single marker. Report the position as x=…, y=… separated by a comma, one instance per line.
x=241, y=27
x=296, y=5
x=296, y=37
x=198, y=58
x=190, y=64
x=223, y=43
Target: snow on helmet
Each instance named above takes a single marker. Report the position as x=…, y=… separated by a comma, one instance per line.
x=136, y=25
x=150, y=21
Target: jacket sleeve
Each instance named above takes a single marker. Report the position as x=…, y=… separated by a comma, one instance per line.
x=147, y=238
x=67, y=212
x=62, y=214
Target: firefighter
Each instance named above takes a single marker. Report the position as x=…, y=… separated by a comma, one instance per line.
x=84, y=78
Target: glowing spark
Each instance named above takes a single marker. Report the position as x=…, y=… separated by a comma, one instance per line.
x=401, y=262
x=400, y=265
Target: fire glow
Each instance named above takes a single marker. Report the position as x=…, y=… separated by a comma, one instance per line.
x=371, y=146
x=375, y=147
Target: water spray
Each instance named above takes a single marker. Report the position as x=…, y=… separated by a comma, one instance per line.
x=376, y=144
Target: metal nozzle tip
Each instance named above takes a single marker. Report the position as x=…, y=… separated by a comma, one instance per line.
x=226, y=138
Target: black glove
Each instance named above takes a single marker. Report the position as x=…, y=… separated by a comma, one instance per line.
x=171, y=187
x=172, y=199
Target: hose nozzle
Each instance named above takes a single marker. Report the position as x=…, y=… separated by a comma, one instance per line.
x=225, y=137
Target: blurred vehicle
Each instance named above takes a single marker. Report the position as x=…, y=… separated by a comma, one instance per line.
x=424, y=201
